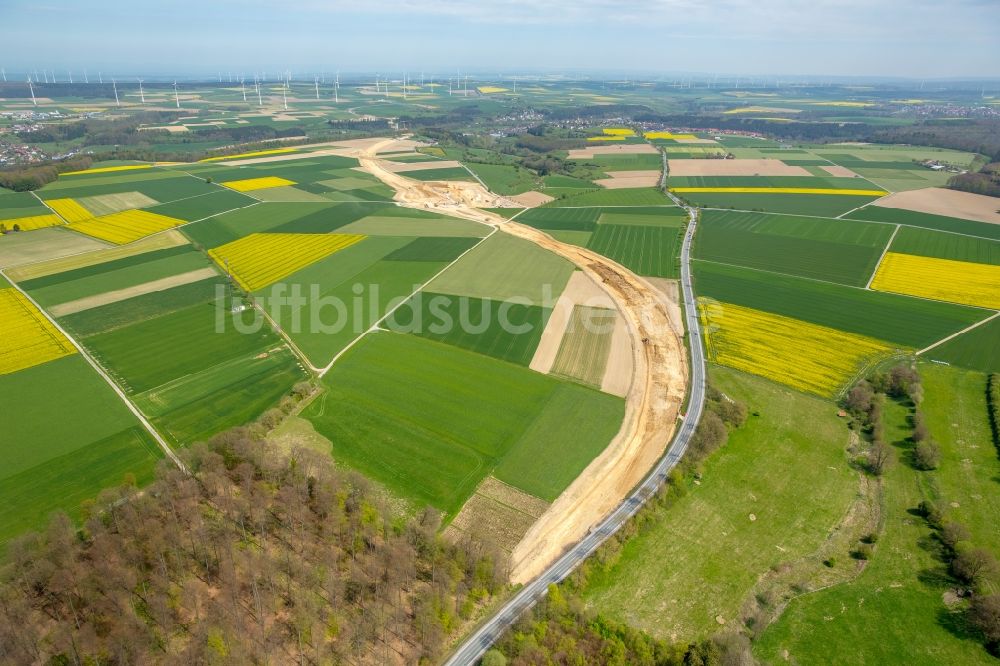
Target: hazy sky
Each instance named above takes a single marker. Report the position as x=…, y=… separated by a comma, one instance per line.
x=913, y=38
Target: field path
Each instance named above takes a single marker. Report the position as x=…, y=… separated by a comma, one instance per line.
x=653, y=402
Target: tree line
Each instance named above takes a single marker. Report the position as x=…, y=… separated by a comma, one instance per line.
x=254, y=557
x=968, y=567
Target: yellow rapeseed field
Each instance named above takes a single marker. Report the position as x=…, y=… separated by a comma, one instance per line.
x=33, y=222
x=782, y=190
x=257, y=260
x=489, y=90
x=805, y=356
x=69, y=210
x=126, y=226
x=618, y=131
x=940, y=279
x=605, y=138
x=669, y=135
x=127, y=167
x=255, y=153
x=250, y=184
x=28, y=338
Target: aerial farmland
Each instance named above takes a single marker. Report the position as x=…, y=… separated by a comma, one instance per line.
x=498, y=368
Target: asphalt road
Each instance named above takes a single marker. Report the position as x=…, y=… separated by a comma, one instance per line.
x=480, y=641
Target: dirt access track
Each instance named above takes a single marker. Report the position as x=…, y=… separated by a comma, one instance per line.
x=653, y=401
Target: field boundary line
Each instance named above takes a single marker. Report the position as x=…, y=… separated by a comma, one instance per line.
x=377, y=324
x=838, y=284
x=885, y=251
x=107, y=378
x=827, y=159
x=958, y=333
x=841, y=216
x=846, y=219
x=51, y=210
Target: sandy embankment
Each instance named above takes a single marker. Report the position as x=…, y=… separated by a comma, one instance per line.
x=654, y=398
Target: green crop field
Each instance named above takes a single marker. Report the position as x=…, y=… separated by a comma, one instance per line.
x=833, y=250
x=566, y=451
x=649, y=251
x=640, y=196
x=155, y=351
x=448, y=173
x=159, y=185
x=344, y=294
x=575, y=219
x=436, y=248
x=397, y=409
x=900, y=589
x=140, y=308
x=926, y=220
x=383, y=224
x=503, y=179
x=977, y=349
x=204, y=205
x=505, y=331
x=827, y=182
x=264, y=217
x=130, y=272
x=583, y=352
x=769, y=496
x=587, y=218
x=50, y=434
x=195, y=407
x=909, y=322
x=910, y=240
x=645, y=217
x=559, y=181
x=821, y=205
x=628, y=162
x=503, y=267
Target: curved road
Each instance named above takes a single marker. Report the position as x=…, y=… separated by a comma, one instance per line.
x=480, y=641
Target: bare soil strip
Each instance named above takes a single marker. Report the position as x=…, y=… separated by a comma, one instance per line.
x=403, y=167
x=580, y=290
x=618, y=373
x=839, y=171
x=90, y=302
x=941, y=201
x=741, y=167
x=497, y=512
x=620, y=183
x=654, y=398
x=532, y=199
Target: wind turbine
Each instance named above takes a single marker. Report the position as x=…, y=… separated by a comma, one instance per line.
x=114, y=84
x=284, y=94
x=336, y=89
x=141, y=95
x=243, y=87
x=256, y=84
x=32, y=89
x=4, y=72
x=100, y=77
x=316, y=84
x=86, y=78
x=45, y=73
x=177, y=99
x=70, y=75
